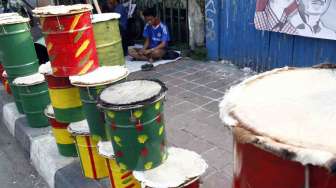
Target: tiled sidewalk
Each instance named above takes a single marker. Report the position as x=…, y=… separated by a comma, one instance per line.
x=194, y=92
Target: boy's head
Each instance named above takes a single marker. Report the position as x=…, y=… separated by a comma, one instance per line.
x=151, y=16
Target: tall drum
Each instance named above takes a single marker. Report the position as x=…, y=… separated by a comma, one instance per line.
x=69, y=37
x=64, y=97
x=108, y=39
x=134, y=112
x=284, y=123
x=91, y=85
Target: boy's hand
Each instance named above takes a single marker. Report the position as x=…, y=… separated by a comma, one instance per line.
x=142, y=51
x=147, y=52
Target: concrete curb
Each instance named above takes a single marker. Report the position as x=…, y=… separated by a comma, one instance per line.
x=41, y=149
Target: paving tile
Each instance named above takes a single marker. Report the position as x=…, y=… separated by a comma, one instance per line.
x=175, y=91
x=215, y=94
x=206, y=79
x=175, y=82
x=189, y=85
x=217, y=180
x=202, y=90
x=215, y=158
x=179, y=74
x=212, y=106
x=194, y=98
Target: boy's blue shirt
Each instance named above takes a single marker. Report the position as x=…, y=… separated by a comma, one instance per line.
x=156, y=34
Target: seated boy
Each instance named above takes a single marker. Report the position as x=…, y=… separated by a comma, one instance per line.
x=156, y=39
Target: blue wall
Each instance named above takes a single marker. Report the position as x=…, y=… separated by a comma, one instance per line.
x=237, y=40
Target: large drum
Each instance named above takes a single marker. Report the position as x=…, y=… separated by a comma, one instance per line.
x=108, y=39
x=283, y=123
x=93, y=165
x=182, y=169
x=119, y=178
x=35, y=98
x=91, y=85
x=69, y=37
x=64, y=97
x=134, y=113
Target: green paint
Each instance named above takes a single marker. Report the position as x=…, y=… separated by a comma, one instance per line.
x=16, y=95
x=69, y=115
x=67, y=150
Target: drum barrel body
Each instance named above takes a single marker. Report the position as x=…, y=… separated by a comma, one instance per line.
x=35, y=99
x=120, y=178
x=138, y=136
x=70, y=44
x=17, y=48
x=108, y=41
x=16, y=94
x=65, y=142
x=65, y=99
x=93, y=165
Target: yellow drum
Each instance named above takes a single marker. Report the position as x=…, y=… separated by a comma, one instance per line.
x=119, y=178
x=93, y=165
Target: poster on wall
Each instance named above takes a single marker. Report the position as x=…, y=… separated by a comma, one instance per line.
x=309, y=18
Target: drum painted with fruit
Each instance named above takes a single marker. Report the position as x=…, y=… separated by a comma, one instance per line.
x=92, y=164
x=283, y=125
x=69, y=37
x=90, y=86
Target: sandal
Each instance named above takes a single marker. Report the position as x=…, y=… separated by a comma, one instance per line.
x=147, y=67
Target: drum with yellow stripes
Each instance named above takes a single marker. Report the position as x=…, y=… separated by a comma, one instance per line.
x=69, y=37
x=91, y=85
x=118, y=178
x=65, y=142
x=134, y=115
x=93, y=165
x=64, y=97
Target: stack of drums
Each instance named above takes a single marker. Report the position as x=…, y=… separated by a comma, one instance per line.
x=15, y=38
x=34, y=95
x=90, y=86
x=284, y=137
x=119, y=178
x=93, y=165
x=182, y=169
x=108, y=39
x=64, y=140
x=134, y=115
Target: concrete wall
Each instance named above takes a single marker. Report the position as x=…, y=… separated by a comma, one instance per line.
x=196, y=23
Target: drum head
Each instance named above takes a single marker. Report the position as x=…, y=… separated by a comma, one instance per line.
x=287, y=107
x=105, y=149
x=181, y=167
x=79, y=128
x=49, y=112
x=33, y=79
x=45, y=68
x=132, y=94
x=101, y=76
x=12, y=18
x=59, y=10
x=104, y=17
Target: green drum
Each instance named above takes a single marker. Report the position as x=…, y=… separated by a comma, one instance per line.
x=35, y=98
x=134, y=113
x=16, y=47
x=16, y=95
x=90, y=86
x=108, y=40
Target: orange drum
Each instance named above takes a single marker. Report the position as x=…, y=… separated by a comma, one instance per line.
x=283, y=123
x=69, y=37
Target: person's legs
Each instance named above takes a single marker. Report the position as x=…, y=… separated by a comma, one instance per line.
x=157, y=54
x=134, y=52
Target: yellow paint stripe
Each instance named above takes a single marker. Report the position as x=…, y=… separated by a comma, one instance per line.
x=62, y=136
x=75, y=22
x=86, y=67
x=49, y=46
x=42, y=19
x=118, y=173
x=83, y=47
x=65, y=98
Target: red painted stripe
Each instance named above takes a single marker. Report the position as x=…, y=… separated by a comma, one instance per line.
x=91, y=157
x=110, y=174
x=58, y=82
x=57, y=125
x=126, y=175
x=130, y=186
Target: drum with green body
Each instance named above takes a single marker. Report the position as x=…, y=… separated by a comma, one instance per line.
x=35, y=98
x=108, y=40
x=90, y=86
x=16, y=95
x=134, y=115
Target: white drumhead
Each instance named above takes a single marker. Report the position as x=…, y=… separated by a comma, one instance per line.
x=61, y=10
x=105, y=149
x=33, y=79
x=12, y=18
x=104, y=17
x=49, y=111
x=45, y=68
x=79, y=128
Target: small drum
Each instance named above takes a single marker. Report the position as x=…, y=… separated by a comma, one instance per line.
x=183, y=168
x=119, y=178
x=283, y=122
x=64, y=97
x=93, y=165
x=65, y=142
x=69, y=37
x=108, y=39
x=35, y=98
x=91, y=85
x=134, y=113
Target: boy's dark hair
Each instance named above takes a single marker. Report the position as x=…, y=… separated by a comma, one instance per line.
x=150, y=12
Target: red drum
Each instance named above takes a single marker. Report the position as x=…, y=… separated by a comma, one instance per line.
x=68, y=33
x=283, y=123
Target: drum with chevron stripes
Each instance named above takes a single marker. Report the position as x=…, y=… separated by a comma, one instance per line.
x=64, y=97
x=69, y=37
x=65, y=142
x=118, y=178
x=93, y=165
x=134, y=115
